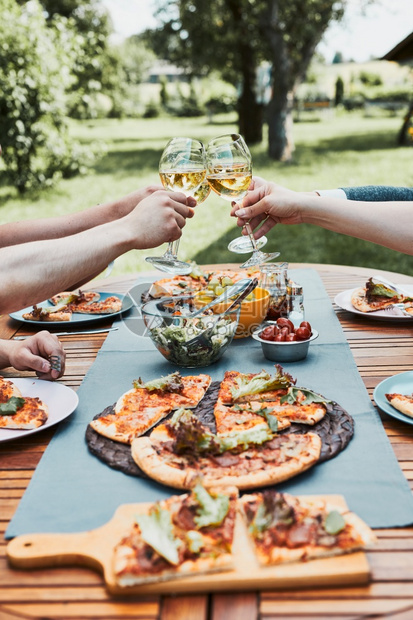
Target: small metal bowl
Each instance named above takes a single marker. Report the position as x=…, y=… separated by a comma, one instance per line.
x=285, y=351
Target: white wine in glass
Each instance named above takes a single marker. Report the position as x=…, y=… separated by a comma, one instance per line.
x=229, y=173
x=182, y=168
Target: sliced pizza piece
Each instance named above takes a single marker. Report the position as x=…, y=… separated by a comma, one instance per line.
x=374, y=296
x=139, y=409
x=184, y=450
x=57, y=313
x=69, y=297
x=245, y=416
x=284, y=528
x=7, y=390
x=23, y=413
x=109, y=305
x=299, y=405
x=172, y=391
x=238, y=387
x=176, y=286
x=182, y=536
x=401, y=402
x=125, y=427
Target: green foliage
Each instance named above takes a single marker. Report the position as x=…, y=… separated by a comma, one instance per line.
x=34, y=73
x=370, y=79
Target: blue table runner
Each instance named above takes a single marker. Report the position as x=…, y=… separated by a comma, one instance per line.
x=71, y=490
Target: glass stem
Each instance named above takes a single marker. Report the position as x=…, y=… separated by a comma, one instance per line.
x=173, y=248
x=248, y=228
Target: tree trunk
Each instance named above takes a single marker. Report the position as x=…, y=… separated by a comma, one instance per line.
x=280, y=124
x=250, y=118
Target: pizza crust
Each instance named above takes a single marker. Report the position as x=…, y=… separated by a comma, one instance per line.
x=147, y=454
x=360, y=303
x=33, y=414
x=402, y=403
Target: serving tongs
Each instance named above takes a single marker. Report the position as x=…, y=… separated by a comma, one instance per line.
x=239, y=287
x=203, y=338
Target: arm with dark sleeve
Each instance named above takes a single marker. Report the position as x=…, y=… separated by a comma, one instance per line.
x=378, y=193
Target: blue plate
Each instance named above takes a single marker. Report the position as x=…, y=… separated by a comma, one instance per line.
x=77, y=317
x=398, y=384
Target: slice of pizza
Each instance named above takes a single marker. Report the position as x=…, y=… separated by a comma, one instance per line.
x=245, y=416
x=401, y=402
x=284, y=528
x=238, y=387
x=7, y=390
x=176, y=286
x=182, y=536
x=374, y=296
x=69, y=297
x=182, y=450
x=20, y=413
x=139, y=409
x=57, y=313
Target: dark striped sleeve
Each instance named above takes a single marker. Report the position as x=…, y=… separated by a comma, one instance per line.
x=378, y=193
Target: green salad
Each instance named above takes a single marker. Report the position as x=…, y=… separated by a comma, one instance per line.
x=171, y=340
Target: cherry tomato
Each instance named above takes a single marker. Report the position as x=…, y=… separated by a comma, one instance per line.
x=291, y=337
x=285, y=331
x=302, y=333
x=306, y=324
x=280, y=337
x=267, y=333
x=283, y=322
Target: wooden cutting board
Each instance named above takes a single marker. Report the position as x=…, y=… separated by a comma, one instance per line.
x=94, y=548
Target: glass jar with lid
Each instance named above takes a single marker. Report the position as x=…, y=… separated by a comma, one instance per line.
x=274, y=278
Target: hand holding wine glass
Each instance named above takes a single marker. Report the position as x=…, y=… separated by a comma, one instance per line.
x=229, y=173
x=182, y=168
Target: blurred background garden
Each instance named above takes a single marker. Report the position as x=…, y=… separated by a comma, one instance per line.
x=84, y=116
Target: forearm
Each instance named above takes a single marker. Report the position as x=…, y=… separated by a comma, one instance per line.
x=32, y=272
x=26, y=231
x=381, y=223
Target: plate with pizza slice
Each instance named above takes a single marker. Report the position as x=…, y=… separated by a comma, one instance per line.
x=72, y=308
x=28, y=406
x=354, y=301
x=394, y=396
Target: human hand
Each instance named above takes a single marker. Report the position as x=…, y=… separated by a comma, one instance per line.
x=160, y=217
x=34, y=353
x=125, y=205
x=267, y=204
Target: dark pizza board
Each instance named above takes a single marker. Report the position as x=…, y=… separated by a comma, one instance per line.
x=94, y=549
x=335, y=429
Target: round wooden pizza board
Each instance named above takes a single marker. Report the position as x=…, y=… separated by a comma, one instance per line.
x=94, y=549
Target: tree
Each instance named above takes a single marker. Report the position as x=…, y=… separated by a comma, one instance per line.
x=235, y=36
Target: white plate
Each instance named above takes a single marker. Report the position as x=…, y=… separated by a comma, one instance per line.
x=397, y=384
x=77, y=317
x=343, y=300
x=60, y=399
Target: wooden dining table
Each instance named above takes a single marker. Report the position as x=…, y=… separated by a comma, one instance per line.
x=380, y=350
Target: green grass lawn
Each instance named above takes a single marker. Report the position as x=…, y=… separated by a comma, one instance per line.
x=332, y=150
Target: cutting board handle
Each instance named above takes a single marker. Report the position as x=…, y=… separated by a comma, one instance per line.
x=47, y=550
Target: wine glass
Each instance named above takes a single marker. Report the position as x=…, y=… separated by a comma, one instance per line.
x=182, y=168
x=229, y=173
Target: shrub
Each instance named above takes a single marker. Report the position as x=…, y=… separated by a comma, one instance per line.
x=34, y=72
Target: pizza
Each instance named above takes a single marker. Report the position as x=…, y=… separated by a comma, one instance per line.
x=18, y=412
x=183, y=450
x=140, y=408
x=377, y=296
x=176, y=286
x=182, y=536
x=87, y=302
x=401, y=402
x=274, y=396
x=283, y=528
x=57, y=313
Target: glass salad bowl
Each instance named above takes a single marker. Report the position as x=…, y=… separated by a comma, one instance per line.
x=184, y=340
